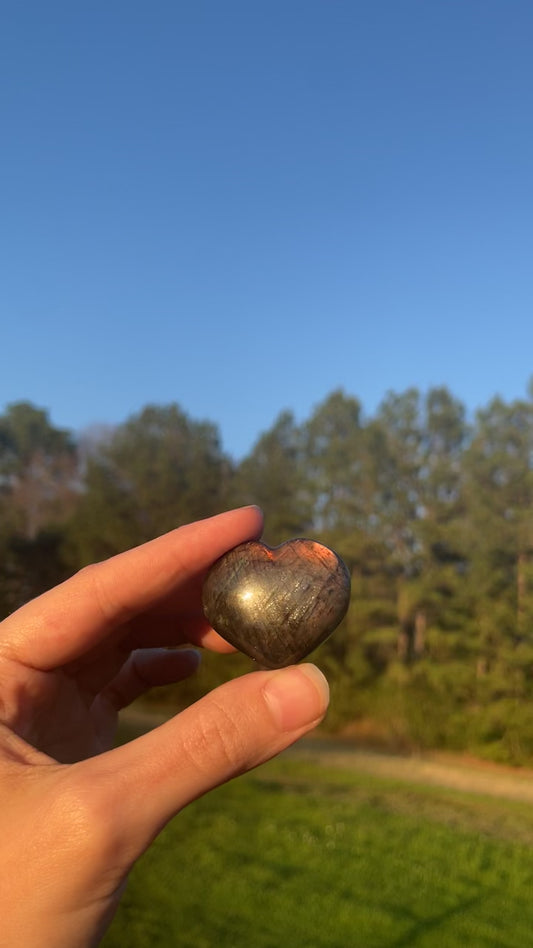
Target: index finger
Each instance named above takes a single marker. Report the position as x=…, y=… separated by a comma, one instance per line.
x=63, y=624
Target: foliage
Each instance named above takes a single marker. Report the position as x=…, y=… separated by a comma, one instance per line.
x=274, y=477
x=431, y=511
x=39, y=483
x=157, y=471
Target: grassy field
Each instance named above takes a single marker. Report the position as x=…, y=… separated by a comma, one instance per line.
x=302, y=855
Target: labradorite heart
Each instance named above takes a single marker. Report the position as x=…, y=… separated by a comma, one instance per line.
x=277, y=604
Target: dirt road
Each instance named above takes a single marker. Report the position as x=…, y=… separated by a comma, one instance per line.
x=470, y=776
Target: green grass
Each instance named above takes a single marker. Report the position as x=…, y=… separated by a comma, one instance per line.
x=299, y=855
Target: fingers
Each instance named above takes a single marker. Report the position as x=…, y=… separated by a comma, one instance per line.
x=97, y=668
x=145, y=669
x=231, y=730
x=75, y=617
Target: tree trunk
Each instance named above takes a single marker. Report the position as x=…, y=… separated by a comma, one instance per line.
x=521, y=594
x=419, y=640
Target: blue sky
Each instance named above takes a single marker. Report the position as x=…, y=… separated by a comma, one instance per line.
x=242, y=206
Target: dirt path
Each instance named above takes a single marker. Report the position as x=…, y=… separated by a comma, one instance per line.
x=470, y=776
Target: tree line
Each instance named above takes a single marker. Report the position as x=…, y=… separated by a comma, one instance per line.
x=432, y=513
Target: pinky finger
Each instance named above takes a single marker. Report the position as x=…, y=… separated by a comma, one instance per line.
x=145, y=669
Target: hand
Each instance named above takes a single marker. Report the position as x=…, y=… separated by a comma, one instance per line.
x=75, y=814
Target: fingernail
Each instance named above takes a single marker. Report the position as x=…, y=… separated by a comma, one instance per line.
x=297, y=696
x=193, y=655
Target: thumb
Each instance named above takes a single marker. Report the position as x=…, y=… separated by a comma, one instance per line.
x=233, y=729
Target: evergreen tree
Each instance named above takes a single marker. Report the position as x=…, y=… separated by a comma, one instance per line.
x=158, y=470
x=38, y=468
x=499, y=483
x=39, y=482
x=274, y=476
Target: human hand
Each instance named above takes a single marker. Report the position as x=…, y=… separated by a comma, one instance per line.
x=75, y=813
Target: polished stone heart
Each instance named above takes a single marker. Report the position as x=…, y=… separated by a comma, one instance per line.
x=277, y=604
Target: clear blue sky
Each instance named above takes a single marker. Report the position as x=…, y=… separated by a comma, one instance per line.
x=241, y=206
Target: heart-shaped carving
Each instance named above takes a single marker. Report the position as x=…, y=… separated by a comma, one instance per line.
x=277, y=604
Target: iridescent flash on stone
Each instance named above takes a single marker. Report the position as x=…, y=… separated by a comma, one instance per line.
x=277, y=604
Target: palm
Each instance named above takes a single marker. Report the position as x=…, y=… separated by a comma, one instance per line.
x=71, y=712
x=55, y=714
x=62, y=687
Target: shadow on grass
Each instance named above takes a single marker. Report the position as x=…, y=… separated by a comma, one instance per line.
x=421, y=927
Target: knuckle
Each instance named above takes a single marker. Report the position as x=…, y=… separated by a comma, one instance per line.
x=79, y=813
x=83, y=811
x=91, y=578
x=79, y=841
x=218, y=738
